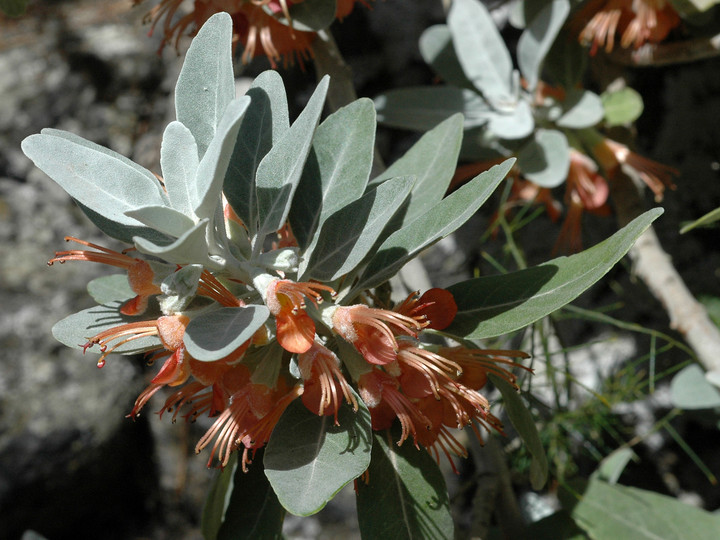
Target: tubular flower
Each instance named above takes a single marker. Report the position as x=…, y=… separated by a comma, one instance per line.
x=475, y=364
x=286, y=301
x=436, y=307
x=140, y=274
x=637, y=21
x=373, y=331
x=324, y=381
x=611, y=155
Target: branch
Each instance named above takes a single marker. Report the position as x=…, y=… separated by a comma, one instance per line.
x=663, y=54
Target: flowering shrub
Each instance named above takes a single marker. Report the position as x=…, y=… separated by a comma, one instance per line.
x=254, y=282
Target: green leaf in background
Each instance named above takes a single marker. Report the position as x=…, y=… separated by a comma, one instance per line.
x=707, y=219
x=432, y=161
x=242, y=506
x=524, y=423
x=613, y=465
x=422, y=108
x=13, y=8
x=480, y=49
x=609, y=512
x=712, y=305
x=405, y=497
x=581, y=109
x=98, y=178
x=75, y=330
x=179, y=162
x=215, y=334
x=545, y=159
x=107, y=289
x=691, y=390
x=350, y=233
x=566, y=63
x=536, y=40
x=438, y=51
x=309, y=15
x=441, y=220
x=495, y=305
x=337, y=169
x=280, y=170
x=206, y=84
x=309, y=459
x=264, y=123
x=621, y=107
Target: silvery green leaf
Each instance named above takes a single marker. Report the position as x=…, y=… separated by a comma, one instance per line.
x=337, y=169
x=124, y=233
x=96, y=177
x=206, y=84
x=214, y=335
x=513, y=122
x=446, y=216
x=114, y=288
x=690, y=390
x=432, y=161
x=581, y=109
x=536, y=40
x=280, y=170
x=75, y=330
x=438, y=51
x=284, y=259
x=179, y=288
x=264, y=123
x=545, y=159
x=348, y=235
x=307, y=16
x=191, y=247
x=163, y=219
x=481, y=49
x=179, y=162
x=423, y=107
x=206, y=189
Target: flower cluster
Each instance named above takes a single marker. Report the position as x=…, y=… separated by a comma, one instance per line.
x=261, y=27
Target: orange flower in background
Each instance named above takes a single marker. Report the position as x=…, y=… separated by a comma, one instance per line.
x=636, y=21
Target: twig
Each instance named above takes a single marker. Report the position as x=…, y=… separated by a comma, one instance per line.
x=653, y=265
x=663, y=54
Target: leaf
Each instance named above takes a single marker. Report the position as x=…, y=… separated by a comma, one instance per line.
x=581, y=109
x=337, y=169
x=214, y=335
x=206, y=189
x=545, y=159
x=480, y=49
x=309, y=459
x=163, y=219
x=536, y=40
x=432, y=161
x=191, y=247
x=98, y=178
x=179, y=162
x=13, y=8
x=206, y=84
x=691, y=390
x=308, y=16
x=423, y=107
x=75, y=330
x=264, y=123
x=524, y=423
x=494, y=305
x=557, y=526
x=608, y=512
x=513, y=122
x=280, y=170
x=348, y=235
x=446, y=216
x=107, y=289
x=613, y=465
x=438, y=51
x=707, y=219
x=242, y=505
x=566, y=63
x=124, y=233
x=406, y=497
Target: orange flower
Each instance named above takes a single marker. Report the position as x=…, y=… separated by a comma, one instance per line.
x=436, y=308
x=140, y=274
x=286, y=301
x=611, y=155
x=639, y=22
x=371, y=330
x=324, y=381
